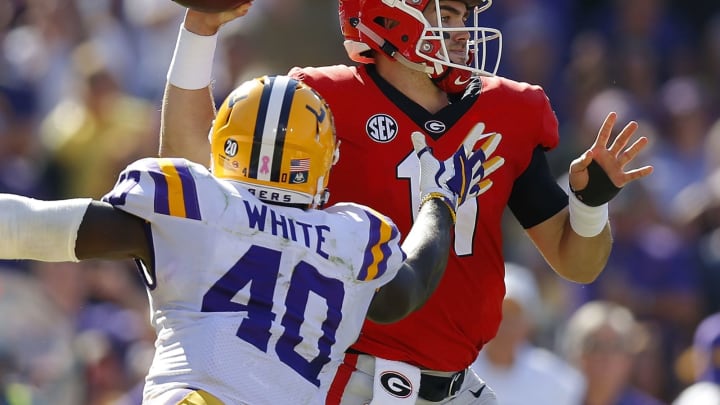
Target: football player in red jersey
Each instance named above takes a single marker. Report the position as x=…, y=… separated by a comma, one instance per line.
x=422, y=67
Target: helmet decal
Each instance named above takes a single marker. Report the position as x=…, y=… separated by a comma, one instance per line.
x=299, y=170
x=231, y=147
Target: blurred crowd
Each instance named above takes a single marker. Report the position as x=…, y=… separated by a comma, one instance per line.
x=81, y=83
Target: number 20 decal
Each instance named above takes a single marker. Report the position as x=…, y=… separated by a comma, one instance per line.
x=255, y=328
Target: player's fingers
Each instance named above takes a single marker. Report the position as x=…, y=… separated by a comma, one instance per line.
x=605, y=130
x=638, y=173
x=418, y=141
x=476, y=158
x=238, y=11
x=623, y=138
x=493, y=164
x=483, y=169
x=631, y=152
x=207, y=23
x=473, y=136
x=582, y=162
x=482, y=187
x=477, y=173
x=491, y=143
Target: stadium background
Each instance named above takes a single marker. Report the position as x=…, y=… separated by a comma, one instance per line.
x=80, y=89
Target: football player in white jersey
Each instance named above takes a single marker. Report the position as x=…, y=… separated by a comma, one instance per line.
x=255, y=292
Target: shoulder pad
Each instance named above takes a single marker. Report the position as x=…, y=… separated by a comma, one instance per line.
x=158, y=186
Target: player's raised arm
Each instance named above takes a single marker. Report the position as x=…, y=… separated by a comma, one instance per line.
x=68, y=230
x=577, y=241
x=188, y=108
x=444, y=186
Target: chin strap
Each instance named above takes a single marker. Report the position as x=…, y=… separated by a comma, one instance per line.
x=321, y=196
x=420, y=67
x=391, y=51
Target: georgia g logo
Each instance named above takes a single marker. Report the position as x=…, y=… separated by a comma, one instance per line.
x=396, y=384
x=381, y=128
x=435, y=126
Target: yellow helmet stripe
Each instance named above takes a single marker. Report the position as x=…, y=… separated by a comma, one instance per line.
x=376, y=254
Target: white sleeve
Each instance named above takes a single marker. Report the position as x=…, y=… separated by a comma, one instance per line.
x=40, y=230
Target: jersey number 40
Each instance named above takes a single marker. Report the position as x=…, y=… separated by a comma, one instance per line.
x=260, y=267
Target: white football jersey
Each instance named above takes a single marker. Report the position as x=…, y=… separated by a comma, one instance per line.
x=254, y=303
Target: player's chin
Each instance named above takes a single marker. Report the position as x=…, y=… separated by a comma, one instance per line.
x=458, y=58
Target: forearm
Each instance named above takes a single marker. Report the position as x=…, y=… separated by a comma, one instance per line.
x=69, y=230
x=40, y=230
x=573, y=256
x=186, y=119
x=188, y=109
x=586, y=242
x=582, y=259
x=427, y=246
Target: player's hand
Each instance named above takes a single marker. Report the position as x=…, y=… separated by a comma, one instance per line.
x=596, y=184
x=460, y=176
x=491, y=141
x=206, y=24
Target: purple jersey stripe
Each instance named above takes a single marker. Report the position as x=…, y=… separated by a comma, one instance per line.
x=175, y=190
x=189, y=190
x=377, y=250
x=386, y=251
x=162, y=202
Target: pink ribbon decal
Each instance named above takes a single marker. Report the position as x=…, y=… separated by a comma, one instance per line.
x=265, y=169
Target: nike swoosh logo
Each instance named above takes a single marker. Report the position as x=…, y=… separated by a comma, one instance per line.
x=477, y=393
x=459, y=82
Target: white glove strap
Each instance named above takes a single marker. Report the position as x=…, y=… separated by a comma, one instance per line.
x=40, y=230
x=192, y=62
x=585, y=220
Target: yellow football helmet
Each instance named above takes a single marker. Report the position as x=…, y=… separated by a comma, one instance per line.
x=275, y=135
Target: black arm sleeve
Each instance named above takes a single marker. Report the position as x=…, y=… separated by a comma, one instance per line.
x=536, y=196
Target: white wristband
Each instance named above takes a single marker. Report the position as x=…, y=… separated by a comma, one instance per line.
x=585, y=220
x=40, y=230
x=192, y=62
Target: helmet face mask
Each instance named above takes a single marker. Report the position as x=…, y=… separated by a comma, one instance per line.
x=276, y=136
x=402, y=29
x=433, y=47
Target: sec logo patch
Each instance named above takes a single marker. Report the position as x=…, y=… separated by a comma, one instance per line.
x=381, y=128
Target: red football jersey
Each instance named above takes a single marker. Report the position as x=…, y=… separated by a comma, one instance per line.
x=379, y=168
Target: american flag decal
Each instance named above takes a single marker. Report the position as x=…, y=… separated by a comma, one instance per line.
x=299, y=165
